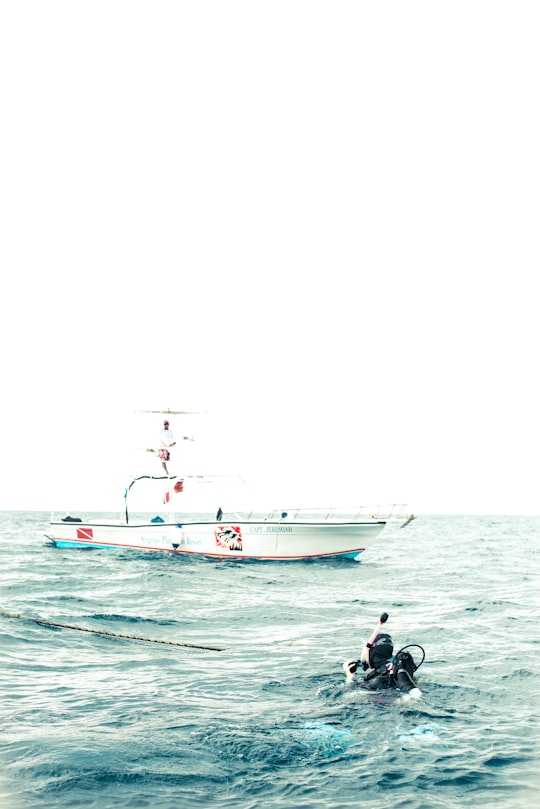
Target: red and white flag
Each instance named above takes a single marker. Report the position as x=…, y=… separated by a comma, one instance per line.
x=177, y=488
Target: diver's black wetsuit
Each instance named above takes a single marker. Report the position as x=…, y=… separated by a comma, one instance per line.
x=400, y=675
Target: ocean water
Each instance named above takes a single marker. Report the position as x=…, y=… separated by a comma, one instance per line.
x=101, y=721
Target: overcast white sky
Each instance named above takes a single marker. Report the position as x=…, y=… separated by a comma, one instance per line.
x=318, y=221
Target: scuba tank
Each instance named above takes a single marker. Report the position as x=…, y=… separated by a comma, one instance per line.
x=404, y=669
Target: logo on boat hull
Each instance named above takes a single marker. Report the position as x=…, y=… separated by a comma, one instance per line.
x=229, y=537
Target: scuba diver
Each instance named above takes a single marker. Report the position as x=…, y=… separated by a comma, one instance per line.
x=384, y=668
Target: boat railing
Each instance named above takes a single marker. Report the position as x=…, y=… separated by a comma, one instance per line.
x=395, y=513
x=365, y=513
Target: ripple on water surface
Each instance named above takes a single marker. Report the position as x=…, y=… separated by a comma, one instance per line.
x=99, y=720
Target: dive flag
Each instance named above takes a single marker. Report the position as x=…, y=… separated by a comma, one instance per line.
x=178, y=487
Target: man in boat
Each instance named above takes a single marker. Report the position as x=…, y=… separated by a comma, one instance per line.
x=384, y=668
x=166, y=440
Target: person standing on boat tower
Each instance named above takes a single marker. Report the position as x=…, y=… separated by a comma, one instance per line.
x=166, y=440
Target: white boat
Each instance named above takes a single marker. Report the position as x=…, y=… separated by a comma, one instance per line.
x=280, y=534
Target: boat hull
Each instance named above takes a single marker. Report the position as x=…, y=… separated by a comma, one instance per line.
x=238, y=540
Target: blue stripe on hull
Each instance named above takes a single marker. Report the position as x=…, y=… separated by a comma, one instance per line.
x=65, y=543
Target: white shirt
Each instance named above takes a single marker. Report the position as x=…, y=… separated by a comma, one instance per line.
x=166, y=438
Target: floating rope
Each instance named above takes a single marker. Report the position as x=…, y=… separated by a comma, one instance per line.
x=110, y=634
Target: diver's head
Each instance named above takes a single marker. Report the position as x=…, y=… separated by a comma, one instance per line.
x=379, y=653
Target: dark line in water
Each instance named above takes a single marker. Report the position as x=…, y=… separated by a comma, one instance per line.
x=111, y=634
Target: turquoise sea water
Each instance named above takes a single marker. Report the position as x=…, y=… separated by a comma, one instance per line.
x=100, y=721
